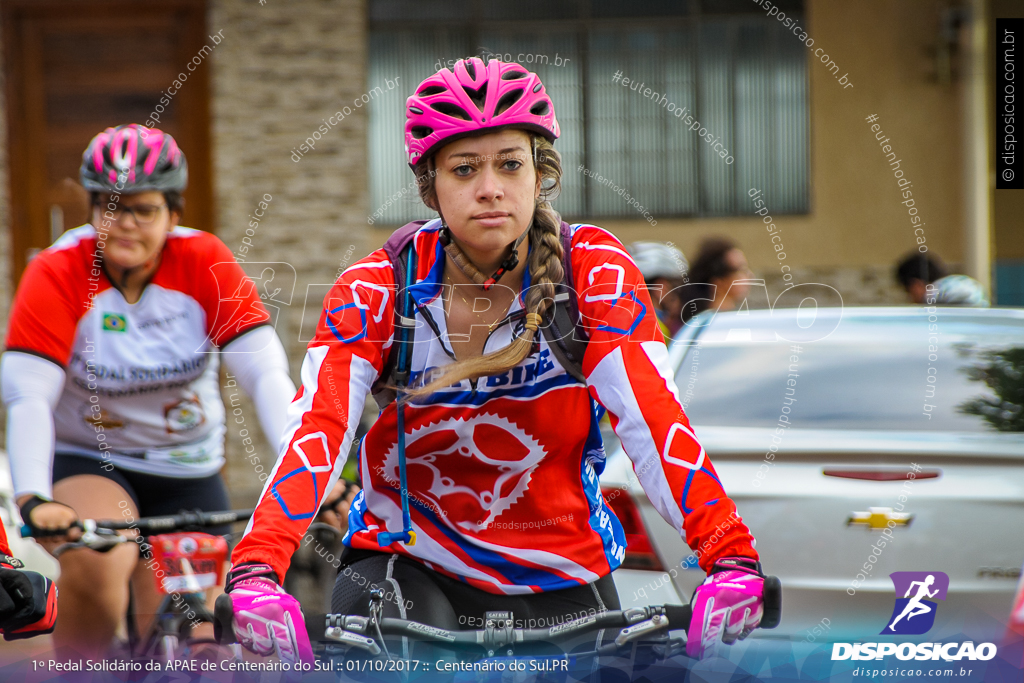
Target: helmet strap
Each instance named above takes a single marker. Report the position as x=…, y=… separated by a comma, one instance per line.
x=469, y=269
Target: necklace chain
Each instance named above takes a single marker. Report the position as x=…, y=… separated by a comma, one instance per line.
x=472, y=308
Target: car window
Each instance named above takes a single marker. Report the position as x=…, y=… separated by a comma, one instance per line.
x=869, y=374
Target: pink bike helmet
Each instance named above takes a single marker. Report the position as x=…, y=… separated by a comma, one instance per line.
x=473, y=98
x=151, y=158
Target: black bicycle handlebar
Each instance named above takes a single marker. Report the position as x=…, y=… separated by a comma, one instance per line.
x=148, y=525
x=678, y=618
x=183, y=520
x=635, y=623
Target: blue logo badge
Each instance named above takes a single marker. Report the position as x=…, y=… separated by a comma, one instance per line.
x=914, y=613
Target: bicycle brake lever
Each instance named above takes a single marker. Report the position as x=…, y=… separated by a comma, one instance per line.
x=637, y=631
x=98, y=539
x=340, y=635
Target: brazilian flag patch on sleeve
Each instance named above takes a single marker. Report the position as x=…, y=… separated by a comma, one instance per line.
x=115, y=322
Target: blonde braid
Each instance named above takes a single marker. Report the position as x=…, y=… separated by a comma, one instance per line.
x=545, y=266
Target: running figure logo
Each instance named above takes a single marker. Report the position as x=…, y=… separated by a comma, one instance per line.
x=914, y=613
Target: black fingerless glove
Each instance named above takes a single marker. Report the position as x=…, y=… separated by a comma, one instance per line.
x=28, y=601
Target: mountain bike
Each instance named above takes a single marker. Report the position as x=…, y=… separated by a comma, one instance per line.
x=185, y=562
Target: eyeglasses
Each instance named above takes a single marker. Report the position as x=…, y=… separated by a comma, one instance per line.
x=144, y=214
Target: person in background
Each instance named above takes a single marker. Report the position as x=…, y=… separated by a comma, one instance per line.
x=111, y=379
x=719, y=273
x=664, y=270
x=916, y=271
x=956, y=290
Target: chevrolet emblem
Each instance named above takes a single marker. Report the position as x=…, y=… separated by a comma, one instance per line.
x=878, y=518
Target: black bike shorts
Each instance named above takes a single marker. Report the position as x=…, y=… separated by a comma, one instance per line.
x=153, y=495
x=414, y=592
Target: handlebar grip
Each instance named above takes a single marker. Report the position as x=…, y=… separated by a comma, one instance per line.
x=772, y=602
x=678, y=616
x=28, y=531
x=223, y=618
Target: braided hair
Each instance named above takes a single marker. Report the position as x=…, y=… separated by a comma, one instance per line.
x=545, y=264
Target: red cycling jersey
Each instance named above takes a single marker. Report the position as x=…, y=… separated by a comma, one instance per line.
x=502, y=472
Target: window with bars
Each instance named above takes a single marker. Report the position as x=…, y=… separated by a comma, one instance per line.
x=737, y=72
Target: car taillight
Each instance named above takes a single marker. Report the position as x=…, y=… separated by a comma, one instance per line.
x=639, y=553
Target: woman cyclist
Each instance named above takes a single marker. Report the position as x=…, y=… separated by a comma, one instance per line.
x=500, y=439
x=111, y=375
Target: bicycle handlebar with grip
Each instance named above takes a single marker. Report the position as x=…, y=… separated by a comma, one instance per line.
x=679, y=616
x=27, y=531
x=772, y=602
x=223, y=617
x=184, y=519
x=152, y=524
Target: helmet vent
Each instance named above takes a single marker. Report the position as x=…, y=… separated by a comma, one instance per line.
x=420, y=132
x=449, y=109
x=470, y=68
x=513, y=75
x=507, y=101
x=540, y=109
x=416, y=110
x=432, y=90
x=537, y=87
x=478, y=96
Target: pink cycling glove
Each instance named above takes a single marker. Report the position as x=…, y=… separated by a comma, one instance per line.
x=727, y=606
x=266, y=620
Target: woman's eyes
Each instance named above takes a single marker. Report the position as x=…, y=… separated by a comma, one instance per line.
x=465, y=169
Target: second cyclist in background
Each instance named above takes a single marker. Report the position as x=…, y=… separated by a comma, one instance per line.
x=111, y=375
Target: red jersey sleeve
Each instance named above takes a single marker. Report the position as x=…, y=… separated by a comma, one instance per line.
x=342, y=361
x=51, y=298
x=227, y=295
x=5, y=546
x=627, y=369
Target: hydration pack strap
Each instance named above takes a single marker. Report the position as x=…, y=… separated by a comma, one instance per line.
x=398, y=249
x=563, y=329
x=401, y=352
x=565, y=334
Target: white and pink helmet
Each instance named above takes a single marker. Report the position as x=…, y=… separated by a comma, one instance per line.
x=475, y=97
x=133, y=158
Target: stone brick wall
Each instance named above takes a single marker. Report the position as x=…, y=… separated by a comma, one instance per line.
x=857, y=286
x=282, y=68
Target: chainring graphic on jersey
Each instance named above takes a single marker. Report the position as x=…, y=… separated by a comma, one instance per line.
x=483, y=462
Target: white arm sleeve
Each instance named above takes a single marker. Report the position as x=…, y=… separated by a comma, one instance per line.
x=30, y=387
x=259, y=363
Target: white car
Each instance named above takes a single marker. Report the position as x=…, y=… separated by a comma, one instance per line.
x=904, y=451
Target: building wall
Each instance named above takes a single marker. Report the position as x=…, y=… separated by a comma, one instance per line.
x=281, y=69
x=1008, y=232
x=6, y=293
x=856, y=228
